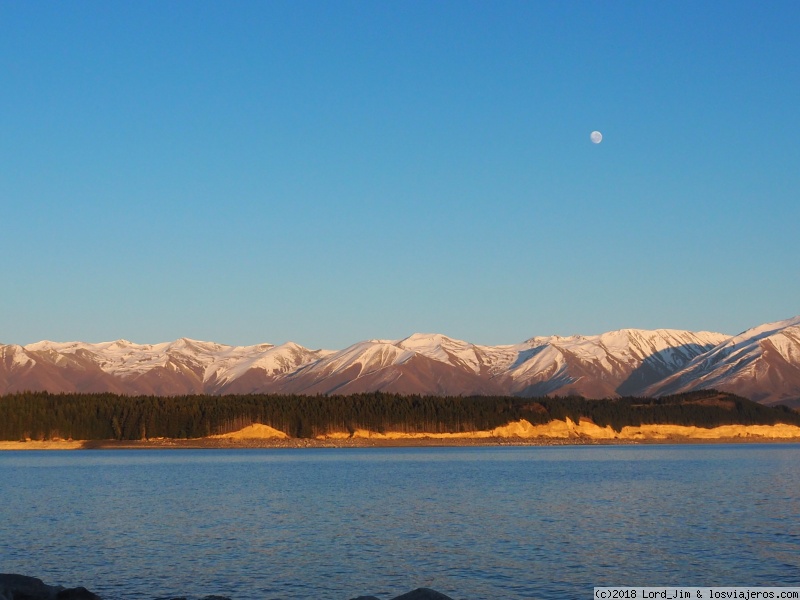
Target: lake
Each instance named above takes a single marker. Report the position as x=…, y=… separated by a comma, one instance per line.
x=330, y=524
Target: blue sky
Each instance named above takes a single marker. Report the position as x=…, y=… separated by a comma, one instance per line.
x=327, y=172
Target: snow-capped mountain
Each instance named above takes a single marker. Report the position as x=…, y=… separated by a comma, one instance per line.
x=180, y=367
x=616, y=363
x=418, y=364
x=762, y=363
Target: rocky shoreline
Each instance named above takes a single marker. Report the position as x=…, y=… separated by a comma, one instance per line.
x=23, y=587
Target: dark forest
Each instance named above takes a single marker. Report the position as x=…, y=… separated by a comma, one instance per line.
x=44, y=416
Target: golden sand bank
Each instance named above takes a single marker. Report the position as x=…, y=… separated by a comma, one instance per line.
x=586, y=430
x=517, y=433
x=37, y=445
x=254, y=431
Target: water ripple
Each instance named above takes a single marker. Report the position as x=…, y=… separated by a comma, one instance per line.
x=541, y=523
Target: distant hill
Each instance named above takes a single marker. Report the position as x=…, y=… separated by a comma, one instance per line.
x=762, y=364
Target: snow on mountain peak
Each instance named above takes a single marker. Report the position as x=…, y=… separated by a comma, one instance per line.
x=444, y=349
x=768, y=329
x=17, y=356
x=272, y=360
x=761, y=362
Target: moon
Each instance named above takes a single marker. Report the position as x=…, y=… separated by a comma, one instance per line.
x=596, y=137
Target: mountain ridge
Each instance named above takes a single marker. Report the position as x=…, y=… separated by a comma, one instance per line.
x=761, y=363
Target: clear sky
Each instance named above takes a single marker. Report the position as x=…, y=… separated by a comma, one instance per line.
x=328, y=172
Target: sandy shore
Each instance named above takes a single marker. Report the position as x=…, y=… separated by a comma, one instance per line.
x=36, y=445
x=519, y=433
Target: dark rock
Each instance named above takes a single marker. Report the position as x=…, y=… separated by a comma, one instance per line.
x=423, y=594
x=22, y=587
x=78, y=593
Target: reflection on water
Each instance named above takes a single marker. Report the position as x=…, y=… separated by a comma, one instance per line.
x=544, y=523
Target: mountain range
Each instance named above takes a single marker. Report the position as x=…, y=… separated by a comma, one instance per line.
x=762, y=364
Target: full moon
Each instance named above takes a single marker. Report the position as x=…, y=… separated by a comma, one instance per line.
x=596, y=137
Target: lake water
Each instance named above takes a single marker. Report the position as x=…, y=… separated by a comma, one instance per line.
x=330, y=524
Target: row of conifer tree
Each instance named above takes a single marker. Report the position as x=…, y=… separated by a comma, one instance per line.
x=40, y=415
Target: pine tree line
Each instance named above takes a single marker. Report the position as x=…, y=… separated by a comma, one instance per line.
x=40, y=415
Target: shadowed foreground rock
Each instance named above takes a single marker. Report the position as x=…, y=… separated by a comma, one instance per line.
x=417, y=594
x=21, y=587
